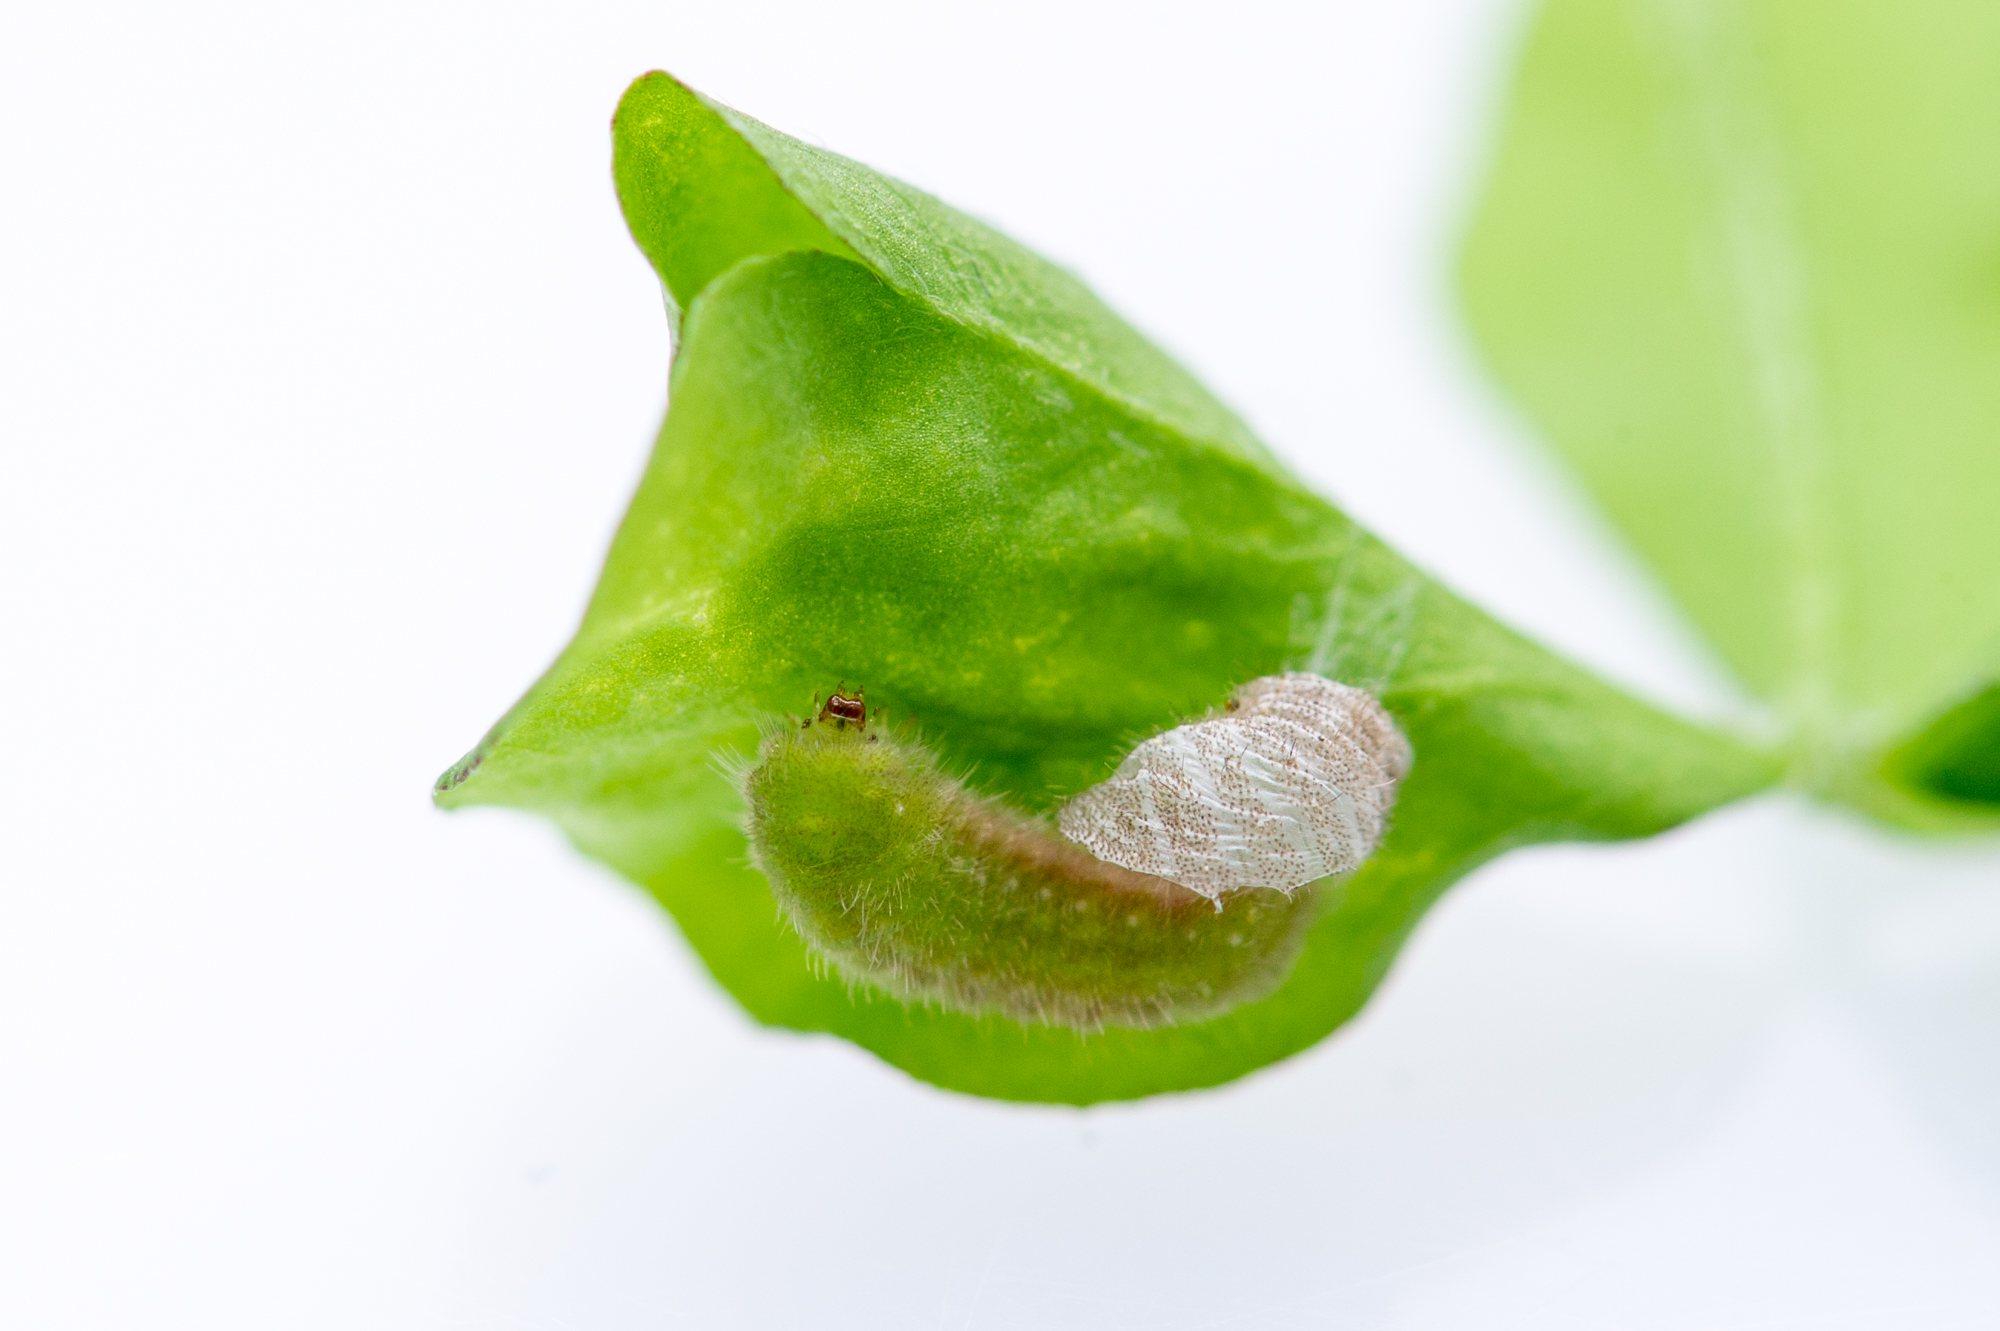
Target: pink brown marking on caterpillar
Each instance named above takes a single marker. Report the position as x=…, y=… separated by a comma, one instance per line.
x=1006, y=835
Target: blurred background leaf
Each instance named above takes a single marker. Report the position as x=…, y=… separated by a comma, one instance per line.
x=1741, y=264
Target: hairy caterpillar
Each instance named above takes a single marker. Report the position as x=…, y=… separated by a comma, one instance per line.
x=899, y=876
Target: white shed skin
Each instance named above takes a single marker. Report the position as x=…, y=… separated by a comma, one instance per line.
x=1296, y=783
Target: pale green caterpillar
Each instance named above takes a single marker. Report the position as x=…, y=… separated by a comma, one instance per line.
x=902, y=878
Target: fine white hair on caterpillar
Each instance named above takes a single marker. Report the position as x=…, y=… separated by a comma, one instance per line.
x=1294, y=783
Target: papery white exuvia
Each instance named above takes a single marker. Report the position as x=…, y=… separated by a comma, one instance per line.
x=1293, y=784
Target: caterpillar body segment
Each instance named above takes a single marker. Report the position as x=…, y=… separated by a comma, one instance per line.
x=903, y=879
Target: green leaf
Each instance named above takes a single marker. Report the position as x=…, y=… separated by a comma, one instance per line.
x=704, y=185
x=903, y=452
x=1958, y=756
x=1741, y=262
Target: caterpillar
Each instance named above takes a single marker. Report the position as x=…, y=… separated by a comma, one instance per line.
x=1176, y=890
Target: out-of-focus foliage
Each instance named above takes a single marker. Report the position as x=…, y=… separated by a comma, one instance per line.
x=1741, y=262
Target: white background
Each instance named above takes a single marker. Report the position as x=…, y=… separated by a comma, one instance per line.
x=328, y=368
